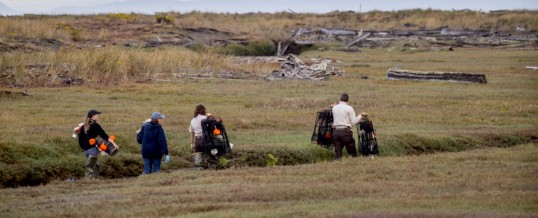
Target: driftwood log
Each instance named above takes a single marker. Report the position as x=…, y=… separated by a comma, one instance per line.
x=357, y=39
x=398, y=74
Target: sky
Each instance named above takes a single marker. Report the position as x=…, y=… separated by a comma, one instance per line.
x=243, y=6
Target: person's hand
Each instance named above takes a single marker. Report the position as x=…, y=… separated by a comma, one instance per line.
x=209, y=114
x=167, y=159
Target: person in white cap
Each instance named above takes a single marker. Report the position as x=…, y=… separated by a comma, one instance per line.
x=154, y=144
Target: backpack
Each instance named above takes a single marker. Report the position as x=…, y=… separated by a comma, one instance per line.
x=139, y=133
x=83, y=140
x=367, y=126
x=215, y=137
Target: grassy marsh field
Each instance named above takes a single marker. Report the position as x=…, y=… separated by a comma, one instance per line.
x=447, y=149
x=277, y=117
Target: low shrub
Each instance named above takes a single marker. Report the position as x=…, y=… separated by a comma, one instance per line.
x=411, y=144
x=164, y=18
x=127, y=165
x=271, y=160
x=27, y=165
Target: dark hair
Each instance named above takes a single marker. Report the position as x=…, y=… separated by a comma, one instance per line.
x=200, y=109
x=344, y=97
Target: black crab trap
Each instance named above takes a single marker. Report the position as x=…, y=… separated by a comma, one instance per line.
x=323, y=129
x=216, y=143
x=366, y=137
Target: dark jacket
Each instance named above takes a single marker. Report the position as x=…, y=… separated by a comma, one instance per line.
x=94, y=131
x=153, y=141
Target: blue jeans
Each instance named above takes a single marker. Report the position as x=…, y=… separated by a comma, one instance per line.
x=152, y=163
x=92, y=151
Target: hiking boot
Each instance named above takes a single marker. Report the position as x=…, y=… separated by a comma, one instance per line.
x=91, y=162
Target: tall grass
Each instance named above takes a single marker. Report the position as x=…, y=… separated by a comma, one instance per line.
x=114, y=65
x=277, y=26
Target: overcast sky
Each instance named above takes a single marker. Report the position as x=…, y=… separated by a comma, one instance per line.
x=316, y=6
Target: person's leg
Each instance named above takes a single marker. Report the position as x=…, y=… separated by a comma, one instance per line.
x=338, y=145
x=156, y=165
x=91, y=162
x=198, y=153
x=147, y=166
x=349, y=142
x=96, y=169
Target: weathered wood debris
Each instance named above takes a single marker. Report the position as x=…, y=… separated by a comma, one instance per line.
x=397, y=74
x=307, y=37
x=295, y=68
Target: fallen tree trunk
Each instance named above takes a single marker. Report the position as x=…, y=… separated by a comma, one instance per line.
x=281, y=48
x=338, y=32
x=435, y=76
x=357, y=39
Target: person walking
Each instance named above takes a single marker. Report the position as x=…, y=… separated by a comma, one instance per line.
x=197, y=136
x=343, y=118
x=91, y=130
x=154, y=144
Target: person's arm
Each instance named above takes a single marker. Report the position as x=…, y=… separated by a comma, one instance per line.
x=101, y=132
x=352, y=117
x=191, y=131
x=192, y=139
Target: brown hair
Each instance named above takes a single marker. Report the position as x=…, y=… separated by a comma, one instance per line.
x=200, y=109
x=344, y=97
x=87, y=123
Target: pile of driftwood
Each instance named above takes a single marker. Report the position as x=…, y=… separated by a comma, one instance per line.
x=295, y=68
x=397, y=74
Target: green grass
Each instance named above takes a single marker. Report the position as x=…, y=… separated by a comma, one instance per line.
x=277, y=117
x=490, y=182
